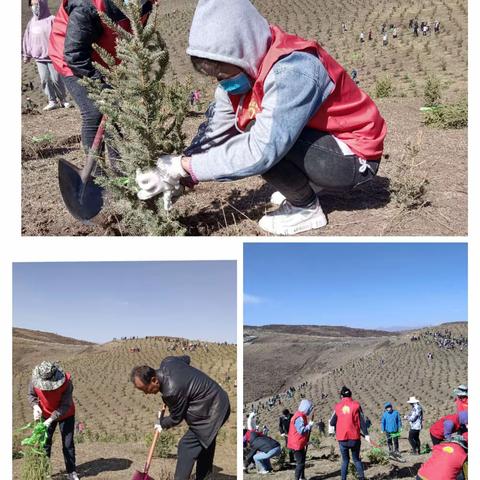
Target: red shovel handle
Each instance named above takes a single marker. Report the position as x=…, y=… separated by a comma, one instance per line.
x=94, y=151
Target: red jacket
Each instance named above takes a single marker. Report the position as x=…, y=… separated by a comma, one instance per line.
x=348, y=419
x=348, y=113
x=437, y=429
x=49, y=400
x=445, y=463
x=297, y=441
x=56, y=45
x=462, y=404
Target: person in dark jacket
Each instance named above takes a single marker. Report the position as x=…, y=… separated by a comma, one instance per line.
x=76, y=28
x=262, y=449
x=193, y=396
x=283, y=426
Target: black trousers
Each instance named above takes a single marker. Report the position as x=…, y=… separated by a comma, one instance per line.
x=317, y=159
x=291, y=457
x=300, y=458
x=414, y=440
x=67, y=428
x=190, y=450
x=392, y=442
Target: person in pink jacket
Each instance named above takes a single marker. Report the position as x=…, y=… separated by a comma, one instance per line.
x=35, y=46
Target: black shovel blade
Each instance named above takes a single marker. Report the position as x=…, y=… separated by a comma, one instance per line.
x=83, y=200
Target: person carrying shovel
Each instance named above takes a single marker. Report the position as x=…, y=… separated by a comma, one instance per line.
x=284, y=109
x=350, y=425
x=50, y=393
x=193, y=396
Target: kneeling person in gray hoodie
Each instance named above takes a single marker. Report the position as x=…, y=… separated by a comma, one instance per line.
x=284, y=109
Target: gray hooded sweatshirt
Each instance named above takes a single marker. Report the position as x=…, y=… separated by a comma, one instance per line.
x=233, y=31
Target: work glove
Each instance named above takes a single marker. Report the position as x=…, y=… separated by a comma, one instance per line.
x=367, y=438
x=158, y=427
x=283, y=434
x=311, y=423
x=331, y=430
x=48, y=422
x=165, y=177
x=37, y=413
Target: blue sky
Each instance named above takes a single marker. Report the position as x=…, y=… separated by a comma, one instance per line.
x=100, y=300
x=363, y=285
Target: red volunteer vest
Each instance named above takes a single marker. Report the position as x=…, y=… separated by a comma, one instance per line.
x=56, y=43
x=462, y=405
x=348, y=420
x=297, y=441
x=50, y=400
x=348, y=113
x=445, y=463
x=436, y=429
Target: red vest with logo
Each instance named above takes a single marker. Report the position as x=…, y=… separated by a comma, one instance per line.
x=297, y=441
x=436, y=430
x=49, y=401
x=56, y=44
x=445, y=463
x=462, y=404
x=348, y=420
x=348, y=113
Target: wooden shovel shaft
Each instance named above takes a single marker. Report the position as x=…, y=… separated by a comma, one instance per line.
x=94, y=151
x=150, y=453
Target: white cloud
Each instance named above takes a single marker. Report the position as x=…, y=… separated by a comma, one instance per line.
x=252, y=299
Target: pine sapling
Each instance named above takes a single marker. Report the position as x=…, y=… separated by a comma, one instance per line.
x=144, y=115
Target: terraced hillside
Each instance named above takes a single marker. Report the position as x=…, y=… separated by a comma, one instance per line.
x=384, y=368
x=114, y=413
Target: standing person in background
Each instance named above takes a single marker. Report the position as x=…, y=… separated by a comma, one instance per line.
x=298, y=436
x=76, y=29
x=461, y=398
x=321, y=428
x=283, y=426
x=362, y=37
x=370, y=34
x=35, y=46
x=50, y=394
x=391, y=426
x=350, y=425
x=415, y=418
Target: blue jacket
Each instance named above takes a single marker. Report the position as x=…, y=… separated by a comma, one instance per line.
x=391, y=422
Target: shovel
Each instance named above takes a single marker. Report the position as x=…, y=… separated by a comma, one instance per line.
x=81, y=195
x=144, y=475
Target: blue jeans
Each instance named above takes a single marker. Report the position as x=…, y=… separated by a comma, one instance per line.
x=354, y=446
x=262, y=459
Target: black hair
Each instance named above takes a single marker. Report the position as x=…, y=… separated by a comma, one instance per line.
x=345, y=392
x=286, y=412
x=144, y=373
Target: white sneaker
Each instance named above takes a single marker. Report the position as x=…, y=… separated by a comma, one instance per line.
x=67, y=104
x=290, y=220
x=73, y=476
x=277, y=198
x=51, y=106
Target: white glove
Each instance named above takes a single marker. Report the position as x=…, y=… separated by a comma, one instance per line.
x=283, y=435
x=37, y=413
x=158, y=428
x=331, y=430
x=311, y=423
x=48, y=422
x=367, y=438
x=165, y=177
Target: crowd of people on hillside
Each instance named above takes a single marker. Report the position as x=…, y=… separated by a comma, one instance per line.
x=278, y=398
x=446, y=339
x=424, y=28
x=349, y=425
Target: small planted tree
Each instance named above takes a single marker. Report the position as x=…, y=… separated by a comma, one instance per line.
x=144, y=115
x=431, y=93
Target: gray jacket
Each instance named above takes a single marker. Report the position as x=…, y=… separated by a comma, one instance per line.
x=415, y=417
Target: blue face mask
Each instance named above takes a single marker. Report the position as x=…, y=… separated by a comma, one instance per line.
x=237, y=85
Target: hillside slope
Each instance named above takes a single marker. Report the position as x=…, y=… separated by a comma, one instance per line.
x=112, y=410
